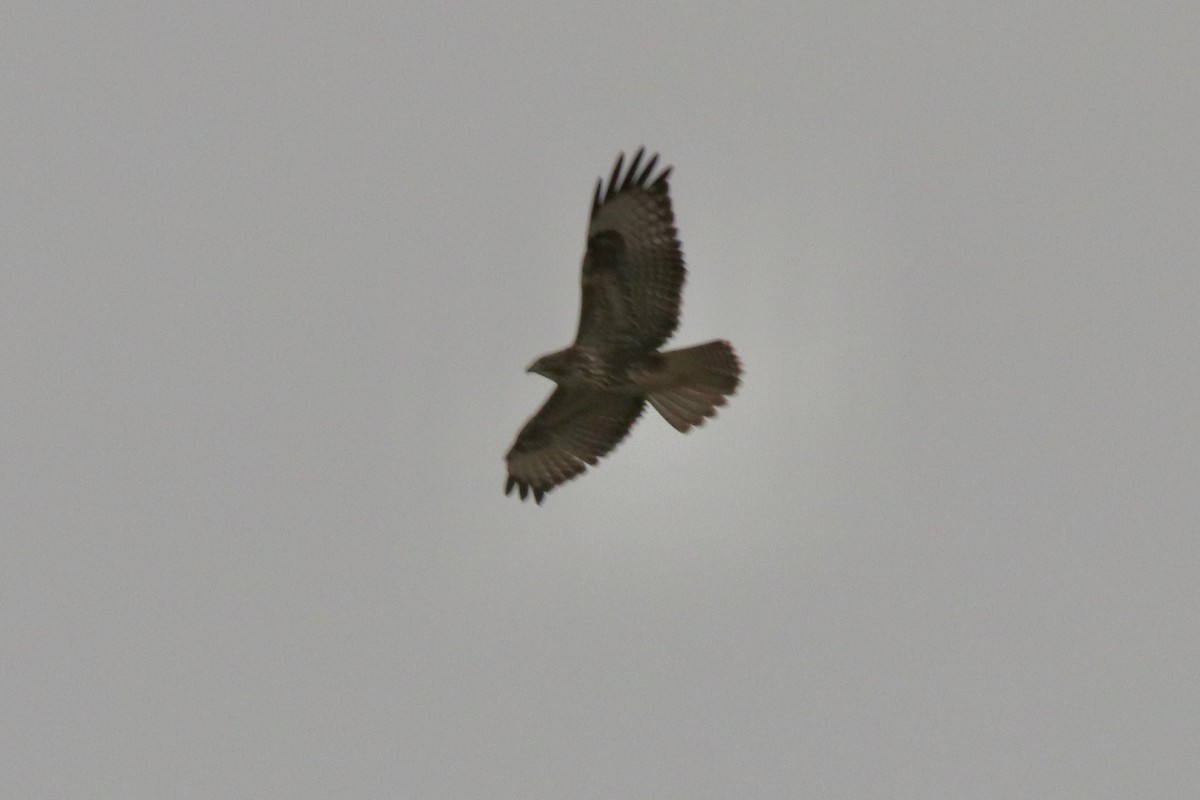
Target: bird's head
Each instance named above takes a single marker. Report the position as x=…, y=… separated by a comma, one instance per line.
x=554, y=366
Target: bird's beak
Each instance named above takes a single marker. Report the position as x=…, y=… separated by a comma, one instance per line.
x=531, y=366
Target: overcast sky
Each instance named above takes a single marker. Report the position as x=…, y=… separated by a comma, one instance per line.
x=270, y=277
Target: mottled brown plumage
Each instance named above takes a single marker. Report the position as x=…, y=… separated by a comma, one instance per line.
x=631, y=281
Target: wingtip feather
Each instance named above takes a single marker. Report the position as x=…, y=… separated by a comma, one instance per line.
x=616, y=173
x=636, y=176
x=631, y=174
x=649, y=169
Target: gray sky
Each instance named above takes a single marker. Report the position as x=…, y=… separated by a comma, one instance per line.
x=271, y=276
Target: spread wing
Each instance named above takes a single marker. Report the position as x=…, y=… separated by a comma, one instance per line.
x=633, y=269
x=573, y=429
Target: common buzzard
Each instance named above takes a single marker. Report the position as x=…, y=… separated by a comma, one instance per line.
x=632, y=276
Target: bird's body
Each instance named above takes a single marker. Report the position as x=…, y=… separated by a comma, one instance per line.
x=631, y=282
x=618, y=370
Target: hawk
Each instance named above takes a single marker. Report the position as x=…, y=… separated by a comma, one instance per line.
x=632, y=277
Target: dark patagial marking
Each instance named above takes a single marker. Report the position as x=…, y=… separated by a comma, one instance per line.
x=606, y=250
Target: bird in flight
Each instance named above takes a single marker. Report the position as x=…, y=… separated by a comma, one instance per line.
x=632, y=277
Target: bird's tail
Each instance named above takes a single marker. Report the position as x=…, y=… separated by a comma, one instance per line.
x=698, y=379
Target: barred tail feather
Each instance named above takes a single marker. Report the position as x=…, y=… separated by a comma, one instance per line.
x=698, y=381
